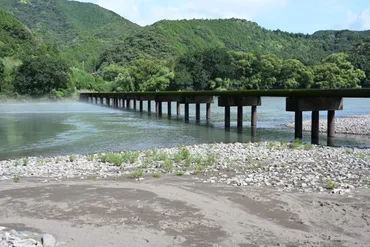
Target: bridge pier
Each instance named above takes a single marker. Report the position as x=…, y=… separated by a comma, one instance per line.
x=186, y=112
x=227, y=117
x=240, y=117
x=149, y=106
x=240, y=101
x=197, y=100
x=315, y=127
x=169, y=108
x=315, y=105
x=208, y=111
x=141, y=107
x=197, y=112
x=135, y=104
x=128, y=104
x=158, y=105
x=178, y=109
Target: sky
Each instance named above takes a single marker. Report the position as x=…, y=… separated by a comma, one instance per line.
x=299, y=16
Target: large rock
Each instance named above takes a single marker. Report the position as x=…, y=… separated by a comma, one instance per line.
x=48, y=240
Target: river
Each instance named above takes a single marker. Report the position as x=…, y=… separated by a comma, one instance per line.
x=50, y=129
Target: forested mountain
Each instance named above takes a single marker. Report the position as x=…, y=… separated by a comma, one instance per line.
x=15, y=38
x=80, y=30
x=241, y=35
x=220, y=54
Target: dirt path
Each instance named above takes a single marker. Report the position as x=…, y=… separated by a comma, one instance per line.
x=182, y=212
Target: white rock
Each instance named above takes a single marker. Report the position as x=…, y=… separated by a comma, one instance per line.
x=48, y=240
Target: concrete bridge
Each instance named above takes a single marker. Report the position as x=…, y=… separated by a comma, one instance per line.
x=297, y=101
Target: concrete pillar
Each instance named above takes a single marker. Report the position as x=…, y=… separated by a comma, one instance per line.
x=315, y=127
x=178, y=110
x=108, y=101
x=197, y=112
x=135, y=104
x=298, y=125
x=240, y=117
x=128, y=103
x=149, y=106
x=141, y=105
x=158, y=108
x=169, y=108
x=208, y=111
x=227, y=117
x=186, y=112
x=254, y=116
x=331, y=128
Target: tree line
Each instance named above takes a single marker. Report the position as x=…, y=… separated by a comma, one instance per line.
x=219, y=69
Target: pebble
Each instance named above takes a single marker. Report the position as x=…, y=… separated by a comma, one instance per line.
x=48, y=240
x=278, y=165
x=13, y=238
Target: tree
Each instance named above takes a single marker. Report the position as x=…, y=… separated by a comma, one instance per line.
x=295, y=74
x=337, y=72
x=270, y=67
x=150, y=75
x=40, y=76
x=125, y=82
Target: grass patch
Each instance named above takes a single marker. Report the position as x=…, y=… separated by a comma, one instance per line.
x=180, y=173
x=163, y=156
x=137, y=174
x=71, y=158
x=297, y=144
x=103, y=158
x=331, y=185
x=115, y=159
x=16, y=179
x=90, y=157
x=272, y=145
x=168, y=165
x=157, y=174
x=361, y=156
x=25, y=161
x=130, y=157
x=308, y=147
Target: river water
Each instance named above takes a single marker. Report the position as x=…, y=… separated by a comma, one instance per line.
x=50, y=129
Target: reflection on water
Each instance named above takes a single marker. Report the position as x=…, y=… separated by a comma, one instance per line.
x=43, y=129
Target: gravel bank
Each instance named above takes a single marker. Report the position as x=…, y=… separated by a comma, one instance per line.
x=355, y=125
x=287, y=167
x=13, y=238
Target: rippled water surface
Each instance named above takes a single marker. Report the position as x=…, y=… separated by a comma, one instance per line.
x=48, y=129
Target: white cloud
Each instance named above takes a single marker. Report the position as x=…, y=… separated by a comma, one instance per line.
x=359, y=21
x=146, y=12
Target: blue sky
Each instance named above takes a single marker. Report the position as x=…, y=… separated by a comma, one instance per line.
x=306, y=16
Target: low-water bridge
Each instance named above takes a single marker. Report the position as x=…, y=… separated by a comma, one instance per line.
x=297, y=101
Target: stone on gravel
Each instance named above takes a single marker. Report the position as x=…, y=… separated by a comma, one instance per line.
x=48, y=240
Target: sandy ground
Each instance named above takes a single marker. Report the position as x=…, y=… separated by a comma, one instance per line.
x=180, y=211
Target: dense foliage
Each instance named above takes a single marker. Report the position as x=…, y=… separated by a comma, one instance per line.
x=43, y=75
x=51, y=48
x=15, y=38
x=80, y=30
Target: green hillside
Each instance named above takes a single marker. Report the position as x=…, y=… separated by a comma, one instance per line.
x=15, y=38
x=80, y=30
x=186, y=36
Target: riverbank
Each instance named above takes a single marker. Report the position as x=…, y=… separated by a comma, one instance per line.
x=354, y=125
x=287, y=167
